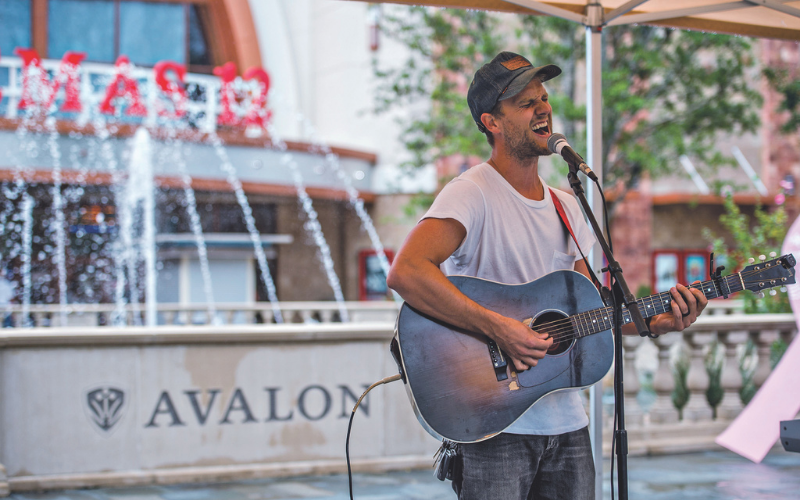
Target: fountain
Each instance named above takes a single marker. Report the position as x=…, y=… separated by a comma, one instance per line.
x=126, y=217
x=126, y=241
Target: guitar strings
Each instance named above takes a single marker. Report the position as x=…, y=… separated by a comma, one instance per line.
x=564, y=329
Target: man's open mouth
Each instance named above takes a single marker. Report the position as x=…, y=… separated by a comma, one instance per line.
x=541, y=129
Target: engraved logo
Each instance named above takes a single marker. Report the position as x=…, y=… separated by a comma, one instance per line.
x=105, y=406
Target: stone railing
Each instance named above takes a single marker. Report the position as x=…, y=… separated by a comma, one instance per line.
x=92, y=315
x=48, y=315
x=658, y=428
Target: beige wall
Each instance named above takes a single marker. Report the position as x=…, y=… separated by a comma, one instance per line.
x=262, y=401
x=681, y=226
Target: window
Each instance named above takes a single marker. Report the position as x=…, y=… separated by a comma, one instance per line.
x=197, y=33
x=15, y=20
x=152, y=32
x=198, y=48
x=678, y=266
x=81, y=26
x=146, y=32
x=371, y=278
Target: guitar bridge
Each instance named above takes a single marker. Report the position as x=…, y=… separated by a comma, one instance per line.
x=499, y=362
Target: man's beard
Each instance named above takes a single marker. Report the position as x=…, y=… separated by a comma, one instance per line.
x=521, y=147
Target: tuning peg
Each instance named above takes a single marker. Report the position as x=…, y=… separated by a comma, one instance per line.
x=773, y=292
x=762, y=257
x=751, y=260
x=760, y=295
x=773, y=255
x=783, y=289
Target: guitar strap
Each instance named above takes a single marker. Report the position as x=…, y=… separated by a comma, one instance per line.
x=564, y=220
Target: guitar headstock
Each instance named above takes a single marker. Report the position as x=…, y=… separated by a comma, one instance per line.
x=768, y=274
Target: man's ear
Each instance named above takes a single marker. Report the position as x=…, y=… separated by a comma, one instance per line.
x=490, y=122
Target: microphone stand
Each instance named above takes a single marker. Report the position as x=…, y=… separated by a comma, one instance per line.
x=622, y=295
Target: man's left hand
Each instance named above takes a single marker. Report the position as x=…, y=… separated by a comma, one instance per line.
x=687, y=304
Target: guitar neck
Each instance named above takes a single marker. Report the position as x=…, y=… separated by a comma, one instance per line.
x=599, y=320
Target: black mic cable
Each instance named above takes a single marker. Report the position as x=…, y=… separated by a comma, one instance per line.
x=350, y=426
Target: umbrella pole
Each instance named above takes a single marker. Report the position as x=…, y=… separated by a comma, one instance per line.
x=594, y=131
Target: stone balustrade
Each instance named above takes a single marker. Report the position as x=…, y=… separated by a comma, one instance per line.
x=49, y=315
x=101, y=315
x=660, y=428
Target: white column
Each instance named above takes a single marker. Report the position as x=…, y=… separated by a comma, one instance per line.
x=5, y=490
x=697, y=408
x=663, y=410
x=594, y=156
x=250, y=280
x=731, y=379
x=633, y=412
x=184, y=290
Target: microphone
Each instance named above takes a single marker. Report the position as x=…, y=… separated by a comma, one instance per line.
x=557, y=144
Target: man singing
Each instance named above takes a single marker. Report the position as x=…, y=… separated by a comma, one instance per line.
x=497, y=221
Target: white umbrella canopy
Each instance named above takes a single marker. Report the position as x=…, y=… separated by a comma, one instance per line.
x=759, y=18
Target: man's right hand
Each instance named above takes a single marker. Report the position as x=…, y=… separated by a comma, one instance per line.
x=524, y=346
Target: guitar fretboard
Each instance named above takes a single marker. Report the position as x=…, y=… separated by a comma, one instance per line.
x=599, y=320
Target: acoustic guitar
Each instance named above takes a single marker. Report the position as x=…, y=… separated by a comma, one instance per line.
x=463, y=388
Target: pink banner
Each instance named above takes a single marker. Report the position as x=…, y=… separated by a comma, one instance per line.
x=757, y=428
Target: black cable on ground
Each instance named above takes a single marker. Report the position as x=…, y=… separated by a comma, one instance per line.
x=350, y=426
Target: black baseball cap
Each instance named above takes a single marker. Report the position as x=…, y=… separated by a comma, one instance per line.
x=504, y=77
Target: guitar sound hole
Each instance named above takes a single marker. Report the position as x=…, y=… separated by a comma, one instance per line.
x=557, y=326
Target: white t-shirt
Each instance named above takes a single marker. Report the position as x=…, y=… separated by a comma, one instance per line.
x=512, y=239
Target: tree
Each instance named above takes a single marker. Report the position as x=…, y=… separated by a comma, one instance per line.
x=666, y=92
x=446, y=47
x=763, y=235
x=788, y=88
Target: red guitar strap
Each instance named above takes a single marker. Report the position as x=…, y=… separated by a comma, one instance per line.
x=564, y=220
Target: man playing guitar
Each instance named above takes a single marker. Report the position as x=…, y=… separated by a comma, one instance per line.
x=497, y=221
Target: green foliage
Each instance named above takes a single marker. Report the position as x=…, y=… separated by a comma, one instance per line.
x=752, y=238
x=446, y=47
x=417, y=205
x=776, y=352
x=789, y=89
x=669, y=93
x=665, y=92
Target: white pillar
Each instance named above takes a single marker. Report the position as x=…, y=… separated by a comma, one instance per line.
x=594, y=156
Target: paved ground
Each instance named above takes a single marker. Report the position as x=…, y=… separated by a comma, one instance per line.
x=709, y=476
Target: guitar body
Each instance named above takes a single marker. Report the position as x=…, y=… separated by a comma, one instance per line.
x=449, y=375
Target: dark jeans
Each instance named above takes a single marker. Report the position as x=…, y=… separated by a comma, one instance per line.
x=523, y=467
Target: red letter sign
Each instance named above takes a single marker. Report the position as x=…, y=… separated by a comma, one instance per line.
x=258, y=115
x=37, y=90
x=69, y=77
x=124, y=87
x=173, y=89
x=227, y=95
